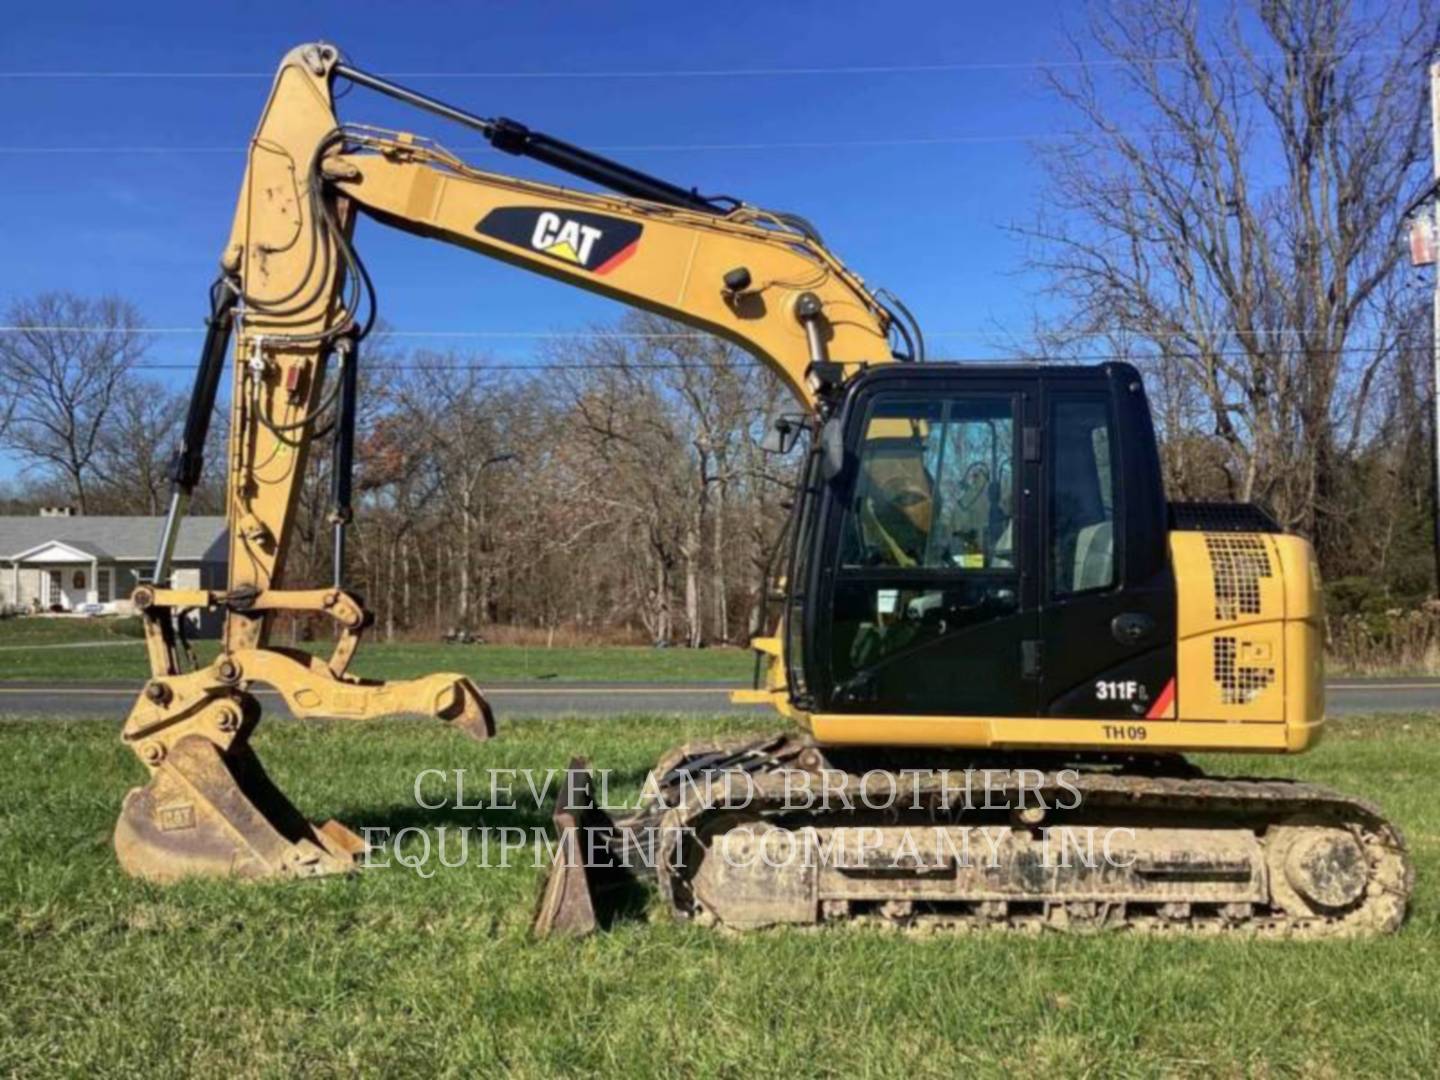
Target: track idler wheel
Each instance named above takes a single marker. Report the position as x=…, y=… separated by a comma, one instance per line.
x=1315, y=869
x=213, y=812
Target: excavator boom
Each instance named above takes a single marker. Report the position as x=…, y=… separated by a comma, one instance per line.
x=295, y=299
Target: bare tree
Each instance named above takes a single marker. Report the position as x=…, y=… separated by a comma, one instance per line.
x=132, y=455
x=63, y=372
x=724, y=398
x=7, y=408
x=1230, y=209
x=396, y=480
x=675, y=418
x=641, y=477
x=452, y=408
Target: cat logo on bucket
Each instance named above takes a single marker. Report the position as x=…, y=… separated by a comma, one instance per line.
x=591, y=242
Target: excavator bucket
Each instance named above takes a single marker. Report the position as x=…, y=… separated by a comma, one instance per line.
x=582, y=887
x=213, y=813
x=209, y=809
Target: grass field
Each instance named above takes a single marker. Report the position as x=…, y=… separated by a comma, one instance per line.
x=390, y=973
x=27, y=631
x=37, y=649
x=32, y=648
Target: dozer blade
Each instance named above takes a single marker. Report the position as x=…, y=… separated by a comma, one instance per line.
x=585, y=885
x=212, y=813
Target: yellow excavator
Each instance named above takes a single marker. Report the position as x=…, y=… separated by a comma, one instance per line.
x=980, y=572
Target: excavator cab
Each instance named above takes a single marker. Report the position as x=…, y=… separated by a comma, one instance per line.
x=987, y=585
x=981, y=517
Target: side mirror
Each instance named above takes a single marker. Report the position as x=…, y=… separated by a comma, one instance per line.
x=783, y=436
x=832, y=449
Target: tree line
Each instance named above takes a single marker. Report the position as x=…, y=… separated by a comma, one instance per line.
x=617, y=490
x=1227, y=214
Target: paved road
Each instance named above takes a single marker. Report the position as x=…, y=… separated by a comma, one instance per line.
x=119, y=642
x=532, y=698
x=591, y=698
x=1344, y=696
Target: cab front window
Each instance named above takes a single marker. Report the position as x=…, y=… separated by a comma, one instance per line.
x=934, y=487
x=928, y=537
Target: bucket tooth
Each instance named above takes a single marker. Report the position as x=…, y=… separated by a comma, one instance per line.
x=208, y=812
x=463, y=706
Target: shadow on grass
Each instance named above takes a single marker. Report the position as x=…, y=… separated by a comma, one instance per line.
x=618, y=893
x=403, y=816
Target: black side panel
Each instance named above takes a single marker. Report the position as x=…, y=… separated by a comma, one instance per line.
x=1131, y=688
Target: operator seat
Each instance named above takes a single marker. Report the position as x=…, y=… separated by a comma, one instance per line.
x=1094, y=557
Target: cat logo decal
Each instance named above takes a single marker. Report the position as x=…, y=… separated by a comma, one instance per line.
x=592, y=242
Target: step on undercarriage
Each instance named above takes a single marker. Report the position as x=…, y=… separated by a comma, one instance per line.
x=776, y=832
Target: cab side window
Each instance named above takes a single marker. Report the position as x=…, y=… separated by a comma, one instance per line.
x=1082, y=501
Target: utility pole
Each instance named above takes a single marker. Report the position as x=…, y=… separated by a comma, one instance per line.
x=1424, y=215
x=1434, y=209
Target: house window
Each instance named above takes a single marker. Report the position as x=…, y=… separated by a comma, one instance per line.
x=102, y=586
x=77, y=581
x=57, y=588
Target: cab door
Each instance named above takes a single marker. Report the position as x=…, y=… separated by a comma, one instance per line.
x=925, y=596
x=1107, y=601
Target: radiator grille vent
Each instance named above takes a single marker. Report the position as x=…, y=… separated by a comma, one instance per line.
x=1238, y=562
x=1239, y=684
x=1221, y=517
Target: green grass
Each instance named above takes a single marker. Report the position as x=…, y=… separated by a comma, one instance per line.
x=29, y=630
x=114, y=651
x=125, y=660
x=391, y=974
x=499, y=662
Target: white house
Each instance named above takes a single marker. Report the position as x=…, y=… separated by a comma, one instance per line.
x=59, y=562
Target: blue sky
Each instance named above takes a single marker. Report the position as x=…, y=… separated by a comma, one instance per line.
x=136, y=187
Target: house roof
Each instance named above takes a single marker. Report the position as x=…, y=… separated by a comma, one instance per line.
x=112, y=537
x=70, y=547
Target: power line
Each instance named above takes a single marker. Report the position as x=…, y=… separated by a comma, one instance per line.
x=680, y=365
x=636, y=148
x=607, y=335
x=677, y=73
x=606, y=365
x=142, y=330
x=725, y=73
